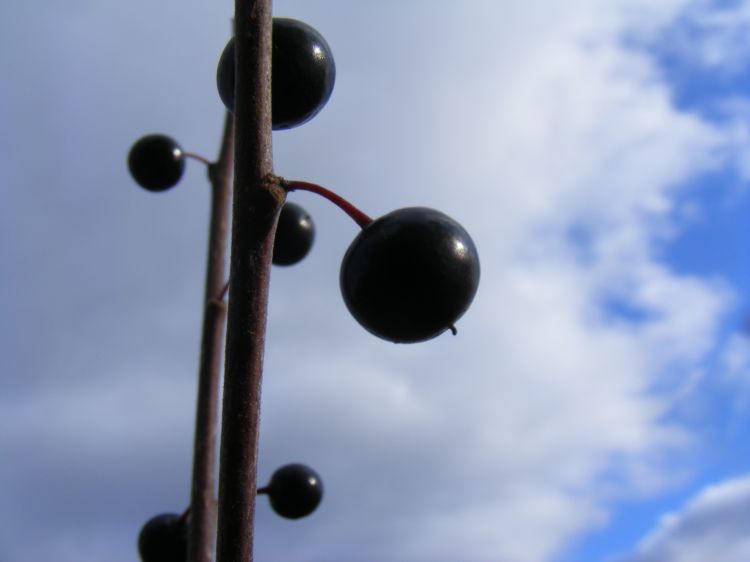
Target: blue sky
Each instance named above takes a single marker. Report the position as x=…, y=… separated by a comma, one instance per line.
x=594, y=404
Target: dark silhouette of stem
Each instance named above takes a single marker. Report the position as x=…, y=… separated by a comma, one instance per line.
x=202, y=509
x=258, y=197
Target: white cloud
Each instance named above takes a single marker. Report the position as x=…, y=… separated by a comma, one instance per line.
x=711, y=526
x=736, y=358
x=710, y=36
x=512, y=437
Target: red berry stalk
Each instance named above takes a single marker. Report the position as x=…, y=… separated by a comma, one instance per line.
x=356, y=215
x=257, y=199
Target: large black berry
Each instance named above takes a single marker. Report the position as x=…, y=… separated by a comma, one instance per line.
x=156, y=162
x=164, y=538
x=294, y=235
x=409, y=275
x=302, y=77
x=295, y=490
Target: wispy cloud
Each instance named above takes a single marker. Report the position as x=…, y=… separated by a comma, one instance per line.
x=711, y=526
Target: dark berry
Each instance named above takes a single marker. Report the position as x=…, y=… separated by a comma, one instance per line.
x=409, y=275
x=164, y=538
x=302, y=77
x=295, y=490
x=294, y=235
x=156, y=162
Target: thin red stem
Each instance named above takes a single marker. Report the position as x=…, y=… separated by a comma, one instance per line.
x=358, y=216
x=197, y=157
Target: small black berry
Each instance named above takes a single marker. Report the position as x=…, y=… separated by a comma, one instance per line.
x=302, y=78
x=295, y=232
x=164, y=539
x=409, y=275
x=295, y=490
x=156, y=162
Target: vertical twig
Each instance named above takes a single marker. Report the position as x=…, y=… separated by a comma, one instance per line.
x=257, y=199
x=203, y=502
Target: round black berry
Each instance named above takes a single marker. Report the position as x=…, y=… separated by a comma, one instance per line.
x=164, y=538
x=156, y=162
x=294, y=235
x=409, y=275
x=295, y=490
x=302, y=77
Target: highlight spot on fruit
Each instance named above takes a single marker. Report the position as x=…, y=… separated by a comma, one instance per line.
x=410, y=274
x=295, y=491
x=156, y=162
x=302, y=78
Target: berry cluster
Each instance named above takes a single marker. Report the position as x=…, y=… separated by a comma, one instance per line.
x=157, y=163
x=294, y=491
x=407, y=276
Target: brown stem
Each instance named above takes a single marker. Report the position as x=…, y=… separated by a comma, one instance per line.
x=257, y=200
x=203, y=502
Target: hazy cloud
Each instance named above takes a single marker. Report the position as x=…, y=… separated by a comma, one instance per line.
x=711, y=526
